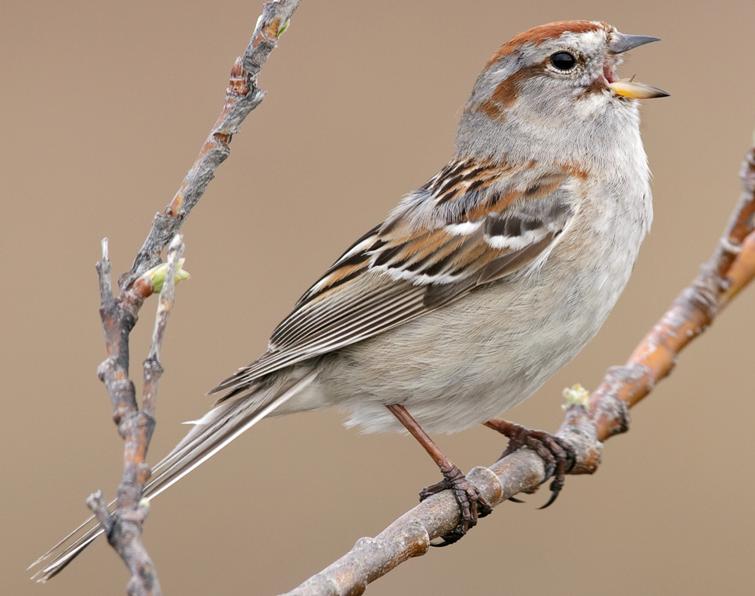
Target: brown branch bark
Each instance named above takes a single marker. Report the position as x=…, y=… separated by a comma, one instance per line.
x=242, y=96
x=586, y=425
x=123, y=525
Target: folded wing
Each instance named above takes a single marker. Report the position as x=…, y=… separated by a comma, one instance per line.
x=471, y=225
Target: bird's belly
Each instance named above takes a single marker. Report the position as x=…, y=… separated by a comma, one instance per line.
x=469, y=361
x=473, y=359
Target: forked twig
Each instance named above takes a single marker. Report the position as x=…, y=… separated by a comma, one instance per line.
x=123, y=526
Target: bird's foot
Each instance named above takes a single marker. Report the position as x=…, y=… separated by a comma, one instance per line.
x=557, y=455
x=471, y=503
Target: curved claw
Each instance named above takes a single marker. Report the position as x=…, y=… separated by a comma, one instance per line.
x=555, y=489
x=472, y=504
x=557, y=455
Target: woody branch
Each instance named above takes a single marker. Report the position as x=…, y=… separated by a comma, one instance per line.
x=123, y=527
x=123, y=524
x=589, y=419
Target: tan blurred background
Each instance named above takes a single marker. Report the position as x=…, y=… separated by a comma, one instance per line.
x=104, y=106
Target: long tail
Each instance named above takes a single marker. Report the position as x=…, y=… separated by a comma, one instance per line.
x=214, y=431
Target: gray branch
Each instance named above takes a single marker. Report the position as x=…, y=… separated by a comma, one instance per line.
x=242, y=96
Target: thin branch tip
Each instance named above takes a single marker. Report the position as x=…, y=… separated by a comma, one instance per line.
x=242, y=96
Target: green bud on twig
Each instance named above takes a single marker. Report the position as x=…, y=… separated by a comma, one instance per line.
x=156, y=276
x=576, y=395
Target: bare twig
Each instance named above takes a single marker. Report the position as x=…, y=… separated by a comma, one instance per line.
x=123, y=526
x=242, y=96
x=587, y=423
x=153, y=369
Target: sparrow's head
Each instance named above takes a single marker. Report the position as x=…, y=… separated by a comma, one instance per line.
x=555, y=77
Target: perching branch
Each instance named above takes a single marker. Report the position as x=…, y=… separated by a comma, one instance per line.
x=589, y=420
x=123, y=526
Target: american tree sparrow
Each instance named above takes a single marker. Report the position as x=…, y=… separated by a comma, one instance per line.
x=479, y=285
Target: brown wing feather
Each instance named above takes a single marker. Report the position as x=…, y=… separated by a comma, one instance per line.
x=444, y=241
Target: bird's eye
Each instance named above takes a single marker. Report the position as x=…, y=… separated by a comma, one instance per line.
x=563, y=61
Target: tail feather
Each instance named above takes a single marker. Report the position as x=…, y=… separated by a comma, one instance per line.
x=226, y=422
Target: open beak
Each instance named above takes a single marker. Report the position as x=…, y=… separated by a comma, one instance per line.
x=635, y=90
x=620, y=43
